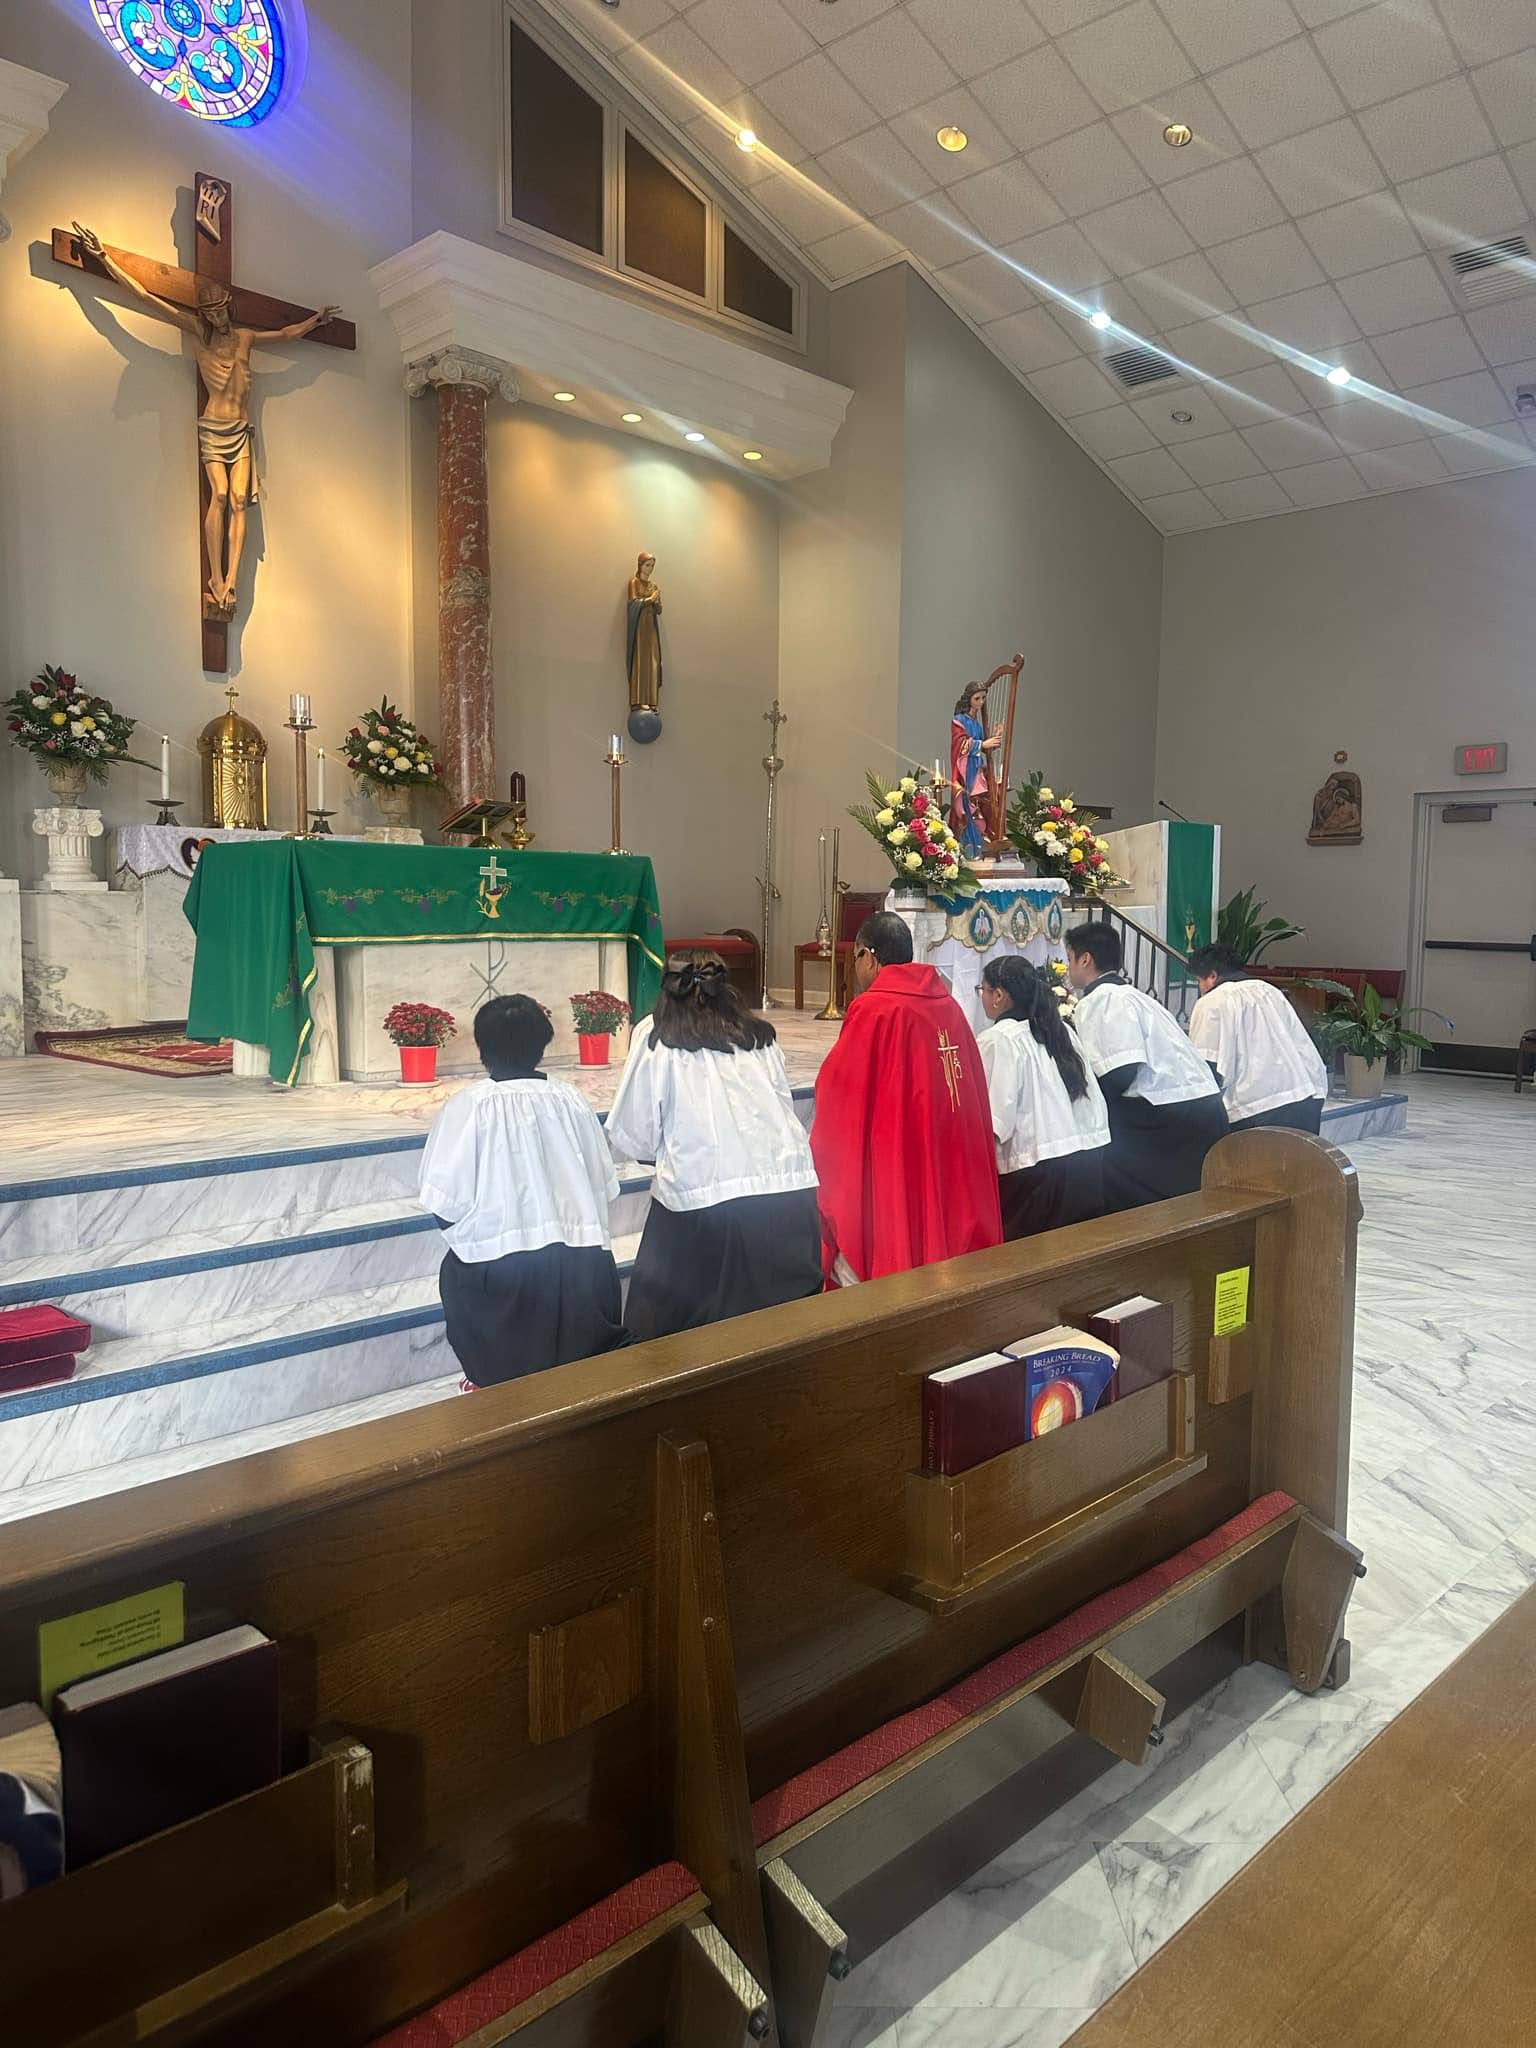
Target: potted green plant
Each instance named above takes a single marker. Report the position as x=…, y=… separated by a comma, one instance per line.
x=419, y=1029
x=1242, y=925
x=1368, y=1035
x=598, y=1016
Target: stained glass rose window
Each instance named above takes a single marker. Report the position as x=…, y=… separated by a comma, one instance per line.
x=222, y=60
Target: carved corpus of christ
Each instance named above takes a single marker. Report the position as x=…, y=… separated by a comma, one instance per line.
x=224, y=441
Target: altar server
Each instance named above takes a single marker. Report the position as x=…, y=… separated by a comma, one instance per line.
x=903, y=1132
x=519, y=1178
x=1048, y=1112
x=1270, y=1071
x=1165, y=1108
x=732, y=1222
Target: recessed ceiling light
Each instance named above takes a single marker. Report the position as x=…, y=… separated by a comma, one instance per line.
x=1182, y=419
x=565, y=398
x=952, y=138
x=1338, y=374
x=1099, y=319
x=746, y=140
x=1178, y=134
x=695, y=436
x=631, y=419
x=751, y=454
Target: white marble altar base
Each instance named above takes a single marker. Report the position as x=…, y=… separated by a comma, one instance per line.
x=13, y=1036
x=167, y=940
x=1028, y=915
x=80, y=960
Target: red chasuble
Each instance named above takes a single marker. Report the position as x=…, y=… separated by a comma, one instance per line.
x=903, y=1133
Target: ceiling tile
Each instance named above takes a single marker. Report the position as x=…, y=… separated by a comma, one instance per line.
x=800, y=206
x=986, y=287
x=827, y=24
x=875, y=171
x=1250, y=397
x=1176, y=293
x=1428, y=130
x=1287, y=444
x=1216, y=347
x=1396, y=469
x=978, y=36
x=1217, y=32
x=1219, y=458
x=1315, y=13
x=1440, y=348
x=1522, y=162
x=1036, y=98
x=1321, y=168
x=1057, y=16
x=1141, y=129
x=1312, y=320
x=1475, y=400
x=1087, y=170
x=1507, y=333
x=755, y=41
x=1508, y=93
x=1136, y=234
x=1472, y=203
x=1370, y=423
x=1149, y=474
x=933, y=229
x=1278, y=94
x=1399, y=295
x=679, y=73
x=1062, y=257
x=1475, y=454
x=890, y=61
x=615, y=33
x=918, y=128
x=1258, y=266
x=1364, y=367
x=1114, y=431
x=1513, y=376
x=1127, y=57
x=1224, y=202
x=1033, y=340
x=1006, y=203
x=717, y=141
x=816, y=103
x=1386, y=50
x=1361, y=234
x=1071, y=388
x=1488, y=28
x=1249, y=496
x=1181, y=510
x=853, y=250
x=1116, y=301
x=1158, y=412
x=1322, y=483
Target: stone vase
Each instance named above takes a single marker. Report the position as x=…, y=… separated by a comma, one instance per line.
x=66, y=779
x=394, y=801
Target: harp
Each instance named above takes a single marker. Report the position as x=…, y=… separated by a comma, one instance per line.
x=1002, y=688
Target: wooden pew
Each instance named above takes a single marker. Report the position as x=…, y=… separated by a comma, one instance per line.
x=685, y=1606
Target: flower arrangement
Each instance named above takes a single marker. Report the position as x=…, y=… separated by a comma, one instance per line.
x=420, y=1024
x=598, y=1014
x=387, y=749
x=1062, y=990
x=1060, y=839
x=62, y=725
x=910, y=828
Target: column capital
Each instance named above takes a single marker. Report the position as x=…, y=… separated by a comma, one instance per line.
x=450, y=366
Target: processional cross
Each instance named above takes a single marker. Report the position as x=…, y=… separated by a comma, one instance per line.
x=224, y=320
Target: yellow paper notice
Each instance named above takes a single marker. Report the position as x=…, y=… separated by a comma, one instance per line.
x=1232, y=1300
x=97, y=1638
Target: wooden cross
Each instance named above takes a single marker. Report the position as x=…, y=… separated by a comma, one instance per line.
x=213, y=264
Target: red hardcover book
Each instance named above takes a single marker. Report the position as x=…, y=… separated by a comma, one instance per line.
x=1141, y=1330
x=972, y=1412
x=38, y=1331
x=41, y=1372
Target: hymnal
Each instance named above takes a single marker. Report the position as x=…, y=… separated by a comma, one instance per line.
x=151, y=1744
x=972, y=1412
x=1067, y=1375
x=1141, y=1330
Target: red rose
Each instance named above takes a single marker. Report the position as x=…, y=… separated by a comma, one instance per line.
x=1096, y=860
x=1056, y=812
x=919, y=803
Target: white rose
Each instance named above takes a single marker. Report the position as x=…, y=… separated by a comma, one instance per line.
x=908, y=785
x=423, y=768
x=375, y=746
x=1067, y=805
x=913, y=862
x=885, y=817
x=893, y=796
x=899, y=837
x=1047, y=796
x=77, y=727
x=1042, y=839
x=1101, y=846
x=41, y=703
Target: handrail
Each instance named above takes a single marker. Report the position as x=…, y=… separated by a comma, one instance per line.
x=1141, y=961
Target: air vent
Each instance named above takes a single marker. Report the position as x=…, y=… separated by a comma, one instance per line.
x=1136, y=366
x=1493, y=270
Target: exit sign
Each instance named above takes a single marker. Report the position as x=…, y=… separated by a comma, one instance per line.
x=1492, y=758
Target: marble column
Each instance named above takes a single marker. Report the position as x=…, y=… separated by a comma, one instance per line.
x=465, y=383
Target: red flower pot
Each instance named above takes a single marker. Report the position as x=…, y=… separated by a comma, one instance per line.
x=594, y=1048
x=418, y=1063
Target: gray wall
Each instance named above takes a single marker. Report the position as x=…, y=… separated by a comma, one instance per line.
x=1391, y=628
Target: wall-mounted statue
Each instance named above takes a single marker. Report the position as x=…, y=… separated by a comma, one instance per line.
x=642, y=653
x=1338, y=811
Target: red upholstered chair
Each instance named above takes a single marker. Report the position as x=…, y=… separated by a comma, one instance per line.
x=740, y=950
x=856, y=906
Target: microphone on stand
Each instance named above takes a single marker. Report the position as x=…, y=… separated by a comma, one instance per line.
x=1172, y=812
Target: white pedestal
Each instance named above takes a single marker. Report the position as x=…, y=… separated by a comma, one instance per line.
x=1013, y=913
x=80, y=960
x=13, y=1036
x=69, y=830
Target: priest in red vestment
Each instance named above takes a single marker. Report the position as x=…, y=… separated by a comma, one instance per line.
x=902, y=1136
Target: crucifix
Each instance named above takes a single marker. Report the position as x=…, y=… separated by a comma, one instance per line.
x=224, y=321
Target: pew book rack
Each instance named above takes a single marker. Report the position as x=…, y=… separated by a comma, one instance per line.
x=657, y=1670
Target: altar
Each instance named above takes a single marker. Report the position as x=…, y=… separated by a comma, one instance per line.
x=303, y=946
x=1011, y=913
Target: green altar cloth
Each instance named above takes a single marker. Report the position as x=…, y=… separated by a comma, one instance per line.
x=260, y=908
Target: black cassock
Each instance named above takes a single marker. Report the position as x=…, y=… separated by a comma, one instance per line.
x=698, y=1266
x=518, y=1314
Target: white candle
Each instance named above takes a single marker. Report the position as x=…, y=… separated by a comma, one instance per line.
x=320, y=780
x=165, y=767
x=613, y=743
x=936, y=775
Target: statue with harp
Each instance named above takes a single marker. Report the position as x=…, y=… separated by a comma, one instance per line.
x=980, y=756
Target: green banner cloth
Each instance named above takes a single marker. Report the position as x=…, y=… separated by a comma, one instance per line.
x=261, y=908
x=1191, y=886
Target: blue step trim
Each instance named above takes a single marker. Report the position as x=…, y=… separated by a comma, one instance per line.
x=202, y=1169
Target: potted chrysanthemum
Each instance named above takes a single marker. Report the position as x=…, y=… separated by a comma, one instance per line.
x=418, y=1029
x=72, y=734
x=598, y=1016
x=388, y=754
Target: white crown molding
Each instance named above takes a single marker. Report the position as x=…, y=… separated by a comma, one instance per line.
x=27, y=98
x=554, y=331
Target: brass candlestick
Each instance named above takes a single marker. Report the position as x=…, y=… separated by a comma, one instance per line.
x=617, y=761
x=517, y=836
x=299, y=723
x=772, y=764
x=833, y=1008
